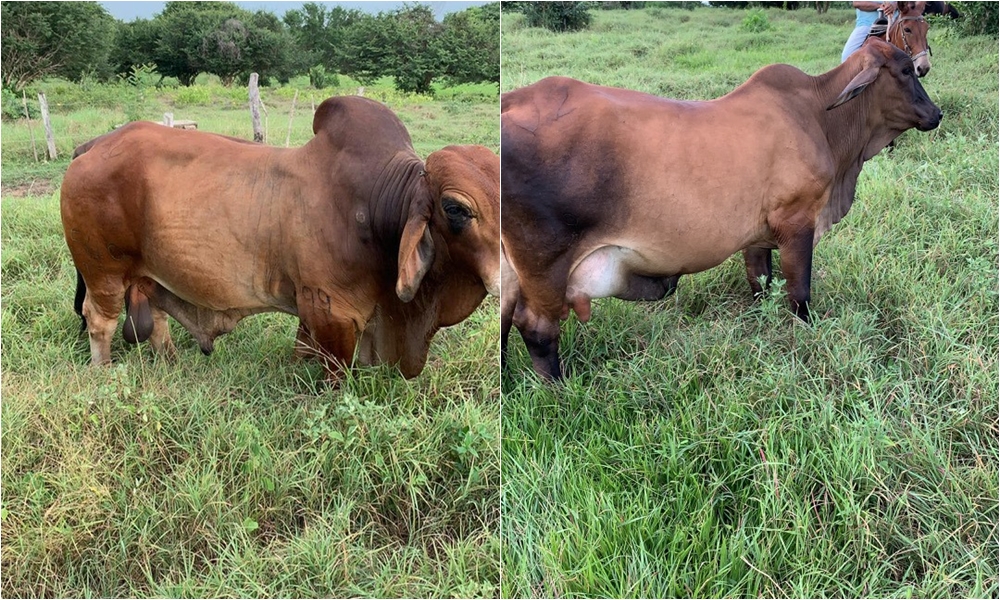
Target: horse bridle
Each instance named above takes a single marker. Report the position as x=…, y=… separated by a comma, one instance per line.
x=906, y=43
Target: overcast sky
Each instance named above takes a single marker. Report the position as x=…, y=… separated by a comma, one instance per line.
x=127, y=11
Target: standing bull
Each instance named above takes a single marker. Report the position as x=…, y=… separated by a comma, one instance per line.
x=611, y=192
x=352, y=233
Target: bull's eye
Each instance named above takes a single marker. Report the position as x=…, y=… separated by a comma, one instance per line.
x=457, y=213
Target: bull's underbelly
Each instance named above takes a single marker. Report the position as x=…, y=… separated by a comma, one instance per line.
x=610, y=269
x=218, y=281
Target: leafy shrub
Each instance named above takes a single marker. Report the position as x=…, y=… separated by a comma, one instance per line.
x=978, y=18
x=135, y=85
x=13, y=106
x=556, y=16
x=317, y=77
x=194, y=95
x=755, y=21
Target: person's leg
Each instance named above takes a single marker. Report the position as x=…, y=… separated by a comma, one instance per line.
x=854, y=42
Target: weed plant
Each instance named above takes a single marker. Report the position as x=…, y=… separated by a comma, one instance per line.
x=705, y=445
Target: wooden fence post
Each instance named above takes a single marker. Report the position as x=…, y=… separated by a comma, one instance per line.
x=49, y=137
x=258, y=133
x=31, y=127
x=291, y=113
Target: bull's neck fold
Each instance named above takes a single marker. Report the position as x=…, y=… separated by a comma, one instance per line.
x=399, y=183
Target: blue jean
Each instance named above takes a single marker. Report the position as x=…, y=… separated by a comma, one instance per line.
x=854, y=42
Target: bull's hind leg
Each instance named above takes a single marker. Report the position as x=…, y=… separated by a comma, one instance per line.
x=537, y=320
x=540, y=305
x=539, y=329
x=509, y=294
x=758, y=264
x=160, y=339
x=101, y=308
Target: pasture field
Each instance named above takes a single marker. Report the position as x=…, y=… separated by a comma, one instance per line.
x=241, y=474
x=707, y=446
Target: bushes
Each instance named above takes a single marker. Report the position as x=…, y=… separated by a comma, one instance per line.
x=755, y=21
x=13, y=106
x=556, y=16
x=978, y=18
x=319, y=78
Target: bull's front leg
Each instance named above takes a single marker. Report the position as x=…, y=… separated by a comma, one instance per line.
x=328, y=330
x=796, y=247
x=539, y=328
x=758, y=264
x=510, y=292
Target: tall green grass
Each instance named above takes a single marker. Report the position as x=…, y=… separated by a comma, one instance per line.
x=240, y=474
x=709, y=446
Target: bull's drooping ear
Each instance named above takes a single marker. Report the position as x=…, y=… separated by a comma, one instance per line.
x=858, y=84
x=416, y=249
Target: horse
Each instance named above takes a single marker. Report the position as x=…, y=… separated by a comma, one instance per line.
x=907, y=30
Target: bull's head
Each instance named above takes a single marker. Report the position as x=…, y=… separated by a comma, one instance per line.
x=449, y=257
x=898, y=95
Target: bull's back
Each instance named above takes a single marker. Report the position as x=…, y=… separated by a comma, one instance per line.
x=679, y=185
x=193, y=211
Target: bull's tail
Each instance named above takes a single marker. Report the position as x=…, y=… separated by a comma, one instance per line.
x=81, y=285
x=81, y=293
x=138, y=316
x=82, y=148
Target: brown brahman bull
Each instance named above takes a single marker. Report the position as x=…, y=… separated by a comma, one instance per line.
x=611, y=192
x=352, y=233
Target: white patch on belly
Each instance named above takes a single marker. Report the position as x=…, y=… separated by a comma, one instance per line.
x=602, y=274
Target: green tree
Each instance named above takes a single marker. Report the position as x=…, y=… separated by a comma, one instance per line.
x=134, y=44
x=180, y=28
x=67, y=39
x=469, y=46
x=403, y=44
x=979, y=18
x=251, y=43
x=222, y=39
x=320, y=35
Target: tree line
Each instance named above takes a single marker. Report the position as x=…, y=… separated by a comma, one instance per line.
x=75, y=40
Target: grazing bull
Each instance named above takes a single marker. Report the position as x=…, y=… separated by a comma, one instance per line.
x=611, y=192
x=351, y=232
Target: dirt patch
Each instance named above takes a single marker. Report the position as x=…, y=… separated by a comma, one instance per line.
x=23, y=189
